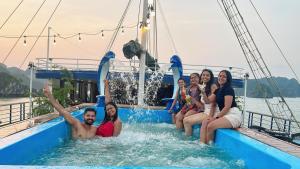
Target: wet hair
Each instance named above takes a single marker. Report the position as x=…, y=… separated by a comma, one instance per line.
x=210, y=82
x=89, y=109
x=106, y=117
x=228, y=78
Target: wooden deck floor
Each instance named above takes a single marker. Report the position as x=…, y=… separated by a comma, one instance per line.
x=19, y=126
x=272, y=141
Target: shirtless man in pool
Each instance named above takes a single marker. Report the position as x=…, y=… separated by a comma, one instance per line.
x=80, y=130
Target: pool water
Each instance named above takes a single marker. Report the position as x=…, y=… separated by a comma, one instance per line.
x=149, y=145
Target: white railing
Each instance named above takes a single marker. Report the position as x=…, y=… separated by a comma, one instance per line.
x=126, y=66
x=67, y=63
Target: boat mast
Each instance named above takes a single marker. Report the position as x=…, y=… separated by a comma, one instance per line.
x=144, y=36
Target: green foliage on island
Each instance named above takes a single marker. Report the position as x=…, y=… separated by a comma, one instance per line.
x=287, y=87
x=14, y=82
x=11, y=86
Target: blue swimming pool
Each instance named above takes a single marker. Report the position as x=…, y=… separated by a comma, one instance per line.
x=22, y=149
x=140, y=144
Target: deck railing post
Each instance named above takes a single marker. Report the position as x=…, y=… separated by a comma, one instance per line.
x=271, y=123
x=31, y=113
x=260, y=122
x=20, y=111
x=289, y=129
x=249, y=116
x=10, y=113
x=251, y=119
x=24, y=109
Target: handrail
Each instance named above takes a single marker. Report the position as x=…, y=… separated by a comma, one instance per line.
x=7, y=104
x=260, y=120
x=272, y=116
x=16, y=112
x=92, y=65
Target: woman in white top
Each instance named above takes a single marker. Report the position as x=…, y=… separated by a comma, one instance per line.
x=229, y=115
x=207, y=87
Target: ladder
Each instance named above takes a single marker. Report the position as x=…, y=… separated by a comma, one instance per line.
x=259, y=68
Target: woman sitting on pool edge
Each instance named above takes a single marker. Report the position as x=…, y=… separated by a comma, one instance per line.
x=111, y=124
x=229, y=115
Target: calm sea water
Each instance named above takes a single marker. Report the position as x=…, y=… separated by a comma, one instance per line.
x=259, y=105
x=149, y=145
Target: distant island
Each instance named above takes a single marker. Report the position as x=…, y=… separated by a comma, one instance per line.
x=287, y=87
x=14, y=83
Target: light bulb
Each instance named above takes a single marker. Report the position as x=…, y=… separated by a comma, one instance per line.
x=102, y=34
x=79, y=37
x=25, y=42
x=54, y=40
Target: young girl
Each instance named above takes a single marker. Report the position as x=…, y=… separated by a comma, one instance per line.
x=207, y=87
x=193, y=104
x=180, y=97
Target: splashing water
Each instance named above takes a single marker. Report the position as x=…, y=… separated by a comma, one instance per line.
x=153, y=84
x=150, y=145
x=124, y=83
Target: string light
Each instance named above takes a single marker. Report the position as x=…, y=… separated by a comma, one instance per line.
x=148, y=18
x=79, y=37
x=147, y=25
x=54, y=40
x=152, y=11
x=102, y=34
x=122, y=32
x=25, y=42
x=72, y=35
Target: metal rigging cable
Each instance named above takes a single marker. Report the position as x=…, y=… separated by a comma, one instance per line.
x=11, y=14
x=224, y=13
x=40, y=34
x=167, y=27
x=273, y=39
x=23, y=32
x=118, y=27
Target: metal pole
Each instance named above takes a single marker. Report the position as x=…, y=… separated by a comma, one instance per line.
x=246, y=76
x=47, y=60
x=31, y=67
x=48, y=48
x=144, y=37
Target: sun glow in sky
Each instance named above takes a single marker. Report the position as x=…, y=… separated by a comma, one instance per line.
x=201, y=33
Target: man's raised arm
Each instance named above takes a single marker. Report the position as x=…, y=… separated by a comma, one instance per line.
x=62, y=111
